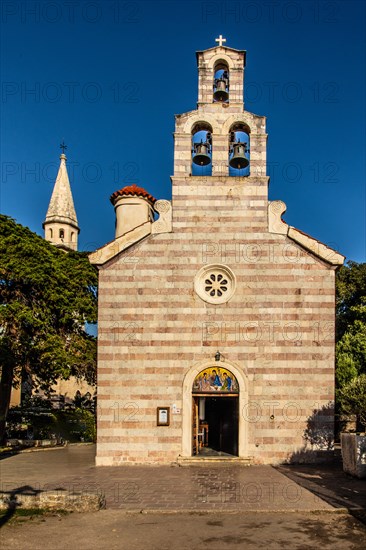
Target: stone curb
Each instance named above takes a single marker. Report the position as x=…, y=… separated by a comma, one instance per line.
x=236, y=512
x=14, y=451
x=53, y=500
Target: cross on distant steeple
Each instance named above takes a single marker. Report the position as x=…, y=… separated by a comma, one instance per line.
x=220, y=40
x=63, y=147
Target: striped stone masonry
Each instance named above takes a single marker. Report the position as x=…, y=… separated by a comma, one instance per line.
x=275, y=333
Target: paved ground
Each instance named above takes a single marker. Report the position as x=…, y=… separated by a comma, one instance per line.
x=113, y=529
x=193, y=488
x=188, y=507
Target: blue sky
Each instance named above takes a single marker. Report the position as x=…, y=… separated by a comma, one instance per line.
x=108, y=78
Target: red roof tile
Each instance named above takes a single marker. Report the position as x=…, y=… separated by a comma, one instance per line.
x=132, y=190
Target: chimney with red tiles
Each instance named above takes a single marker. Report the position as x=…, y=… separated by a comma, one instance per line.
x=133, y=206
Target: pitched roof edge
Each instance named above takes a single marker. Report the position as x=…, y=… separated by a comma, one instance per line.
x=277, y=225
x=316, y=247
x=115, y=247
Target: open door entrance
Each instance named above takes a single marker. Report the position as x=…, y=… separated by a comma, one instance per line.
x=215, y=426
x=215, y=414
x=222, y=414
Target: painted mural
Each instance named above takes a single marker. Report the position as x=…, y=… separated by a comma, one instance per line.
x=215, y=379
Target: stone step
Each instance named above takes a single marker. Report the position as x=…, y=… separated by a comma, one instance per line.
x=214, y=460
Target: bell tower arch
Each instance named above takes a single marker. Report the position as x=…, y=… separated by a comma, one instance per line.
x=236, y=147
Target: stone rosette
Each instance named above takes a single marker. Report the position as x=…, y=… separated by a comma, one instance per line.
x=215, y=283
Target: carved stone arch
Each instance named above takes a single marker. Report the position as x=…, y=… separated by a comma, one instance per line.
x=220, y=64
x=240, y=126
x=242, y=378
x=201, y=125
x=197, y=118
x=242, y=119
x=220, y=57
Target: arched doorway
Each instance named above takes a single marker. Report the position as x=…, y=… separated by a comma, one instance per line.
x=215, y=419
x=214, y=393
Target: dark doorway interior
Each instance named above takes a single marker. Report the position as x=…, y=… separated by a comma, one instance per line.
x=222, y=416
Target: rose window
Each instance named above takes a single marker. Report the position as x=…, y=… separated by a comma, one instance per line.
x=215, y=283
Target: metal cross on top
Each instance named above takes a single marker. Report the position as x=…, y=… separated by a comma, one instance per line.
x=220, y=40
x=63, y=147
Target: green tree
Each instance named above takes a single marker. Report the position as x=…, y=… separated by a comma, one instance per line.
x=351, y=340
x=46, y=298
x=352, y=398
x=351, y=353
x=351, y=322
x=350, y=296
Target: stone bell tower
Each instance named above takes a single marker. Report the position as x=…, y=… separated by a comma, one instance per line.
x=61, y=224
x=220, y=149
x=220, y=125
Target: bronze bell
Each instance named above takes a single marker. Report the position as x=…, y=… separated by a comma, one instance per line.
x=220, y=93
x=239, y=160
x=201, y=153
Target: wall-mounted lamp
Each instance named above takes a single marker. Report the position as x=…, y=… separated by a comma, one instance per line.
x=217, y=356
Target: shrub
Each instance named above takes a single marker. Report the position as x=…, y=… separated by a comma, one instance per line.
x=352, y=398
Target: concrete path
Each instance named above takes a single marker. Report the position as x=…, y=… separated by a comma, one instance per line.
x=168, y=488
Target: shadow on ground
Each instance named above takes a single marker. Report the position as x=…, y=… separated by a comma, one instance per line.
x=5, y=454
x=13, y=499
x=330, y=483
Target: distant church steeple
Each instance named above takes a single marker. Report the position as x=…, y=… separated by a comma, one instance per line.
x=61, y=224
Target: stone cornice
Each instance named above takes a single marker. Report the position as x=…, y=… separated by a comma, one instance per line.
x=278, y=226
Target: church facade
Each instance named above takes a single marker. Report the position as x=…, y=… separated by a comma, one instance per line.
x=216, y=320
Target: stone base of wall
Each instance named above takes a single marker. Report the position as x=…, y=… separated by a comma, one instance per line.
x=157, y=460
x=271, y=459
x=53, y=500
